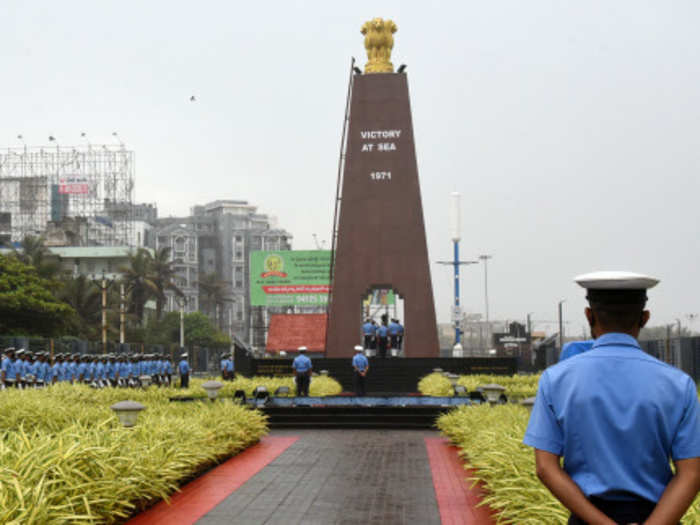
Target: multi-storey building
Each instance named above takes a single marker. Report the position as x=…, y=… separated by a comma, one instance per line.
x=222, y=234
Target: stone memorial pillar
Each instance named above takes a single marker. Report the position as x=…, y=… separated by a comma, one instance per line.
x=381, y=235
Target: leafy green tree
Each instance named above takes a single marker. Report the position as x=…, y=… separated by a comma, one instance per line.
x=199, y=331
x=162, y=275
x=27, y=306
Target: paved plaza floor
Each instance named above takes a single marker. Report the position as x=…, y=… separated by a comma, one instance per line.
x=331, y=477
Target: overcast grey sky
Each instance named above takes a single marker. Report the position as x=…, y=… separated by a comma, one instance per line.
x=570, y=128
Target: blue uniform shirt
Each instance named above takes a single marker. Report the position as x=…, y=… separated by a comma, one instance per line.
x=8, y=366
x=81, y=370
x=19, y=368
x=229, y=365
x=575, y=348
x=168, y=367
x=368, y=329
x=394, y=328
x=302, y=363
x=360, y=362
x=382, y=330
x=617, y=415
x=57, y=371
x=183, y=367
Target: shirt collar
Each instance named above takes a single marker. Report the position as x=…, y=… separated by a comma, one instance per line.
x=616, y=339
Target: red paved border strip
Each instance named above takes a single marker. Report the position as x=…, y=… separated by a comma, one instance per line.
x=203, y=494
x=456, y=498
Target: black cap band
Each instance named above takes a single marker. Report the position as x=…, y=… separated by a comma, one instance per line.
x=617, y=297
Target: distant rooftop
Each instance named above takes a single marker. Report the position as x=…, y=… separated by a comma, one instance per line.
x=96, y=252
x=91, y=251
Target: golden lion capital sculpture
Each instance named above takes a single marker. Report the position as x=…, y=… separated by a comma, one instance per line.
x=379, y=41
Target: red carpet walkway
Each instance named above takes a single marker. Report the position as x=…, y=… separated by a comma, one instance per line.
x=204, y=493
x=331, y=476
x=457, y=499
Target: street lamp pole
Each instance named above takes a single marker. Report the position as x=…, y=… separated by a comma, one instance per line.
x=122, y=312
x=182, y=323
x=104, y=284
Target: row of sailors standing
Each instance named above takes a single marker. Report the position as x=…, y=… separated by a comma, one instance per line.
x=380, y=337
x=21, y=369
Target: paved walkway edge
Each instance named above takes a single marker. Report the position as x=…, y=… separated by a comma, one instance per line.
x=457, y=499
x=203, y=494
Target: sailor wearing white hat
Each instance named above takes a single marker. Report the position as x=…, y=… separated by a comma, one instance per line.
x=360, y=366
x=302, y=372
x=617, y=415
x=184, y=368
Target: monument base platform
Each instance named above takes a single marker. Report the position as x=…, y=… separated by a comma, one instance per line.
x=392, y=375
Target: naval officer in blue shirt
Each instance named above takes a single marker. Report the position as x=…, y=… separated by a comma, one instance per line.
x=302, y=370
x=360, y=367
x=7, y=367
x=184, y=368
x=617, y=416
x=573, y=348
x=369, y=330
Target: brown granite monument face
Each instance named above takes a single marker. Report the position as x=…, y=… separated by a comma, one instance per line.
x=381, y=235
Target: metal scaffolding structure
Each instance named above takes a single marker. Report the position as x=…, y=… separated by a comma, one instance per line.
x=78, y=196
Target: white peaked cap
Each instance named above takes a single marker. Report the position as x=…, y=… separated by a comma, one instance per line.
x=610, y=280
x=302, y=349
x=183, y=355
x=358, y=348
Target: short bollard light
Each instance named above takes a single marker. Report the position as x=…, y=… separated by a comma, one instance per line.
x=284, y=390
x=460, y=390
x=212, y=388
x=453, y=378
x=437, y=370
x=492, y=391
x=127, y=412
x=324, y=372
x=145, y=381
x=528, y=403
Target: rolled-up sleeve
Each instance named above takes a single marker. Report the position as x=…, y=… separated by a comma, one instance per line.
x=543, y=431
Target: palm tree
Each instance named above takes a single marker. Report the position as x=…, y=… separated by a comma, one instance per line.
x=84, y=296
x=213, y=293
x=162, y=274
x=34, y=252
x=139, y=285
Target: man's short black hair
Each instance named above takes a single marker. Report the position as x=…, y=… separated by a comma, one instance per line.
x=618, y=309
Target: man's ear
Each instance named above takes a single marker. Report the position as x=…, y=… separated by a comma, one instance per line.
x=645, y=318
x=589, y=316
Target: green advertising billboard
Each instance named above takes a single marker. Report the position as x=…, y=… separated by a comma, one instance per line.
x=289, y=278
